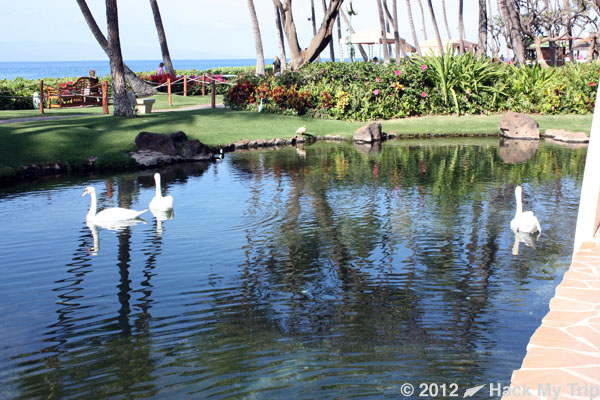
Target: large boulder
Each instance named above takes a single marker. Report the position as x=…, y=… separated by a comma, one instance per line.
x=157, y=149
x=519, y=126
x=369, y=133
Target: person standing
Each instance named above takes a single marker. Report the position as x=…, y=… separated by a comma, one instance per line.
x=161, y=69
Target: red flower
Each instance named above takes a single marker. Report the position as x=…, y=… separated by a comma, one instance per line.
x=592, y=83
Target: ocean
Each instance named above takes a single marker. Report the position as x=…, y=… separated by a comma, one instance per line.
x=67, y=69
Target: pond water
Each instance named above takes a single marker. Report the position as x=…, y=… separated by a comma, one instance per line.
x=324, y=273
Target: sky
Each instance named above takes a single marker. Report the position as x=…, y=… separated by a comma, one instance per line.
x=43, y=30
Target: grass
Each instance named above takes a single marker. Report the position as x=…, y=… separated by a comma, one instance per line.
x=73, y=140
x=161, y=103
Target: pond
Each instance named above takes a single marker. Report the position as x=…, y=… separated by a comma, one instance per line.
x=327, y=272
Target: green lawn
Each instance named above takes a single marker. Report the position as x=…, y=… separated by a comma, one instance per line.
x=73, y=140
x=161, y=103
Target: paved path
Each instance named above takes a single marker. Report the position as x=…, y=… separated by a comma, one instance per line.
x=563, y=355
x=50, y=117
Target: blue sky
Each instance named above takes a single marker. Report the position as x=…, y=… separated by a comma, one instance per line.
x=43, y=30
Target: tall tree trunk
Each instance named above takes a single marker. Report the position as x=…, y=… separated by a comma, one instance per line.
x=340, y=43
x=435, y=27
x=331, y=52
x=301, y=57
x=538, y=52
x=423, y=20
x=446, y=19
x=483, y=28
x=361, y=49
x=162, y=38
x=461, y=28
x=122, y=108
x=412, y=28
x=139, y=86
x=280, y=39
x=512, y=20
x=314, y=23
x=384, y=43
x=260, y=55
x=393, y=17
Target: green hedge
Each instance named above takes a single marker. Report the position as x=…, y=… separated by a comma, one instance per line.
x=450, y=84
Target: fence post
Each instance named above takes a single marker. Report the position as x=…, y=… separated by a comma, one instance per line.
x=213, y=91
x=169, y=91
x=203, y=93
x=185, y=86
x=104, y=97
x=42, y=97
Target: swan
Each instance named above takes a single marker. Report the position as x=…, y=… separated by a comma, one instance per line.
x=108, y=214
x=525, y=222
x=301, y=130
x=159, y=202
x=260, y=106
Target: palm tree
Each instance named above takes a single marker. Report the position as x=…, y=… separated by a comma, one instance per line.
x=461, y=28
x=393, y=17
x=260, y=55
x=446, y=19
x=331, y=52
x=139, y=86
x=162, y=38
x=282, y=55
x=412, y=28
x=483, y=27
x=512, y=20
x=423, y=20
x=386, y=53
x=435, y=27
x=314, y=23
x=120, y=100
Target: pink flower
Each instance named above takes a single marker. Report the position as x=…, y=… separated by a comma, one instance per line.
x=592, y=83
x=398, y=72
x=376, y=92
x=377, y=79
x=424, y=94
x=423, y=67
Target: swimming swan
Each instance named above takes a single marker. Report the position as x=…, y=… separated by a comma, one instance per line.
x=159, y=202
x=525, y=222
x=109, y=214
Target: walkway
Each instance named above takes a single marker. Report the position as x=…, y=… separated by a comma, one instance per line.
x=563, y=355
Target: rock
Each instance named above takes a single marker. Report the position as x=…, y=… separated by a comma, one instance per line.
x=156, y=142
x=159, y=149
x=368, y=133
x=519, y=126
x=562, y=135
x=514, y=151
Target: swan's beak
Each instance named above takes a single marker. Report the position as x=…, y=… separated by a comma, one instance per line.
x=84, y=193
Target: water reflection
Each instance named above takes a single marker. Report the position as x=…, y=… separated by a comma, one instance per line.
x=333, y=275
x=517, y=151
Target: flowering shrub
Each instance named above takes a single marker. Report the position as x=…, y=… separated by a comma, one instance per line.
x=240, y=95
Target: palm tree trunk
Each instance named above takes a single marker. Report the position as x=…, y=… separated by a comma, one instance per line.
x=412, y=28
x=331, y=44
x=483, y=27
x=446, y=19
x=260, y=55
x=120, y=100
x=423, y=20
x=461, y=28
x=162, y=38
x=280, y=38
x=314, y=23
x=393, y=17
x=386, y=53
x=339, y=34
x=139, y=86
x=512, y=19
x=435, y=27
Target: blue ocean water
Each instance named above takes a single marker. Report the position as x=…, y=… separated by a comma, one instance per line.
x=60, y=69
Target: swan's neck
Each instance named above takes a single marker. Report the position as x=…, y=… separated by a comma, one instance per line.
x=519, y=204
x=92, y=212
x=157, y=181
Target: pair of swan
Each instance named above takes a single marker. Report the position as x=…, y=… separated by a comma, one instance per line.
x=159, y=204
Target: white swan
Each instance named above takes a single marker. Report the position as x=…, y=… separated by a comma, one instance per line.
x=260, y=106
x=160, y=202
x=109, y=214
x=525, y=222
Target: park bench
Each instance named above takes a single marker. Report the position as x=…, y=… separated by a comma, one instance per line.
x=84, y=92
x=144, y=105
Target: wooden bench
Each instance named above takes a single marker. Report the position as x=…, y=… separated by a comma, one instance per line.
x=84, y=92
